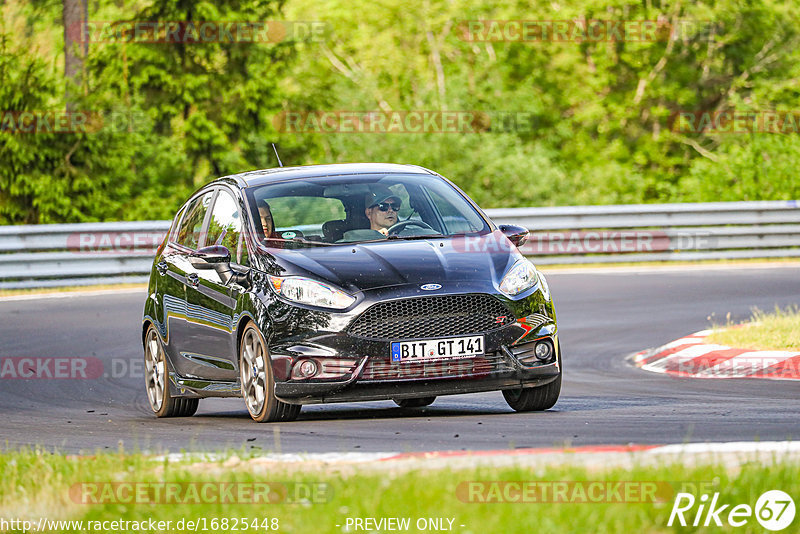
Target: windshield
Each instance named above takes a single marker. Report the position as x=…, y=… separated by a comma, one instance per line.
x=361, y=208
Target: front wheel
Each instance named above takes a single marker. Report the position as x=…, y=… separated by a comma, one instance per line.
x=157, y=381
x=258, y=384
x=536, y=399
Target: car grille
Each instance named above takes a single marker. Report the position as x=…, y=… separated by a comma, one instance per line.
x=427, y=317
x=384, y=370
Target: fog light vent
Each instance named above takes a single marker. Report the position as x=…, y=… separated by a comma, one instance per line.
x=305, y=369
x=544, y=350
x=322, y=368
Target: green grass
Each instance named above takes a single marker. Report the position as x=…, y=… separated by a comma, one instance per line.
x=777, y=330
x=34, y=484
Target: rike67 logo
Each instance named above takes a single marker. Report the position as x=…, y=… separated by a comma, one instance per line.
x=774, y=510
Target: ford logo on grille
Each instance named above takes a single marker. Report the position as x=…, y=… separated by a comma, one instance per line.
x=430, y=287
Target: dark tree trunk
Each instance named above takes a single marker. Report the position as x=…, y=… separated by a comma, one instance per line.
x=76, y=44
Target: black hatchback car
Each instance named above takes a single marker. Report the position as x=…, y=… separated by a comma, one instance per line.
x=338, y=283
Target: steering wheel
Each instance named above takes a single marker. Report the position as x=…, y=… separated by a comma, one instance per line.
x=399, y=227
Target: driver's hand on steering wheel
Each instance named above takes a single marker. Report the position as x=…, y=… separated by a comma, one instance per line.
x=384, y=231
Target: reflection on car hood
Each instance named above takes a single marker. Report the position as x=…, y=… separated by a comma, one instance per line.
x=364, y=266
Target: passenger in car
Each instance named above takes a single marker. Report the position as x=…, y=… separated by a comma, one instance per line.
x=267, y=224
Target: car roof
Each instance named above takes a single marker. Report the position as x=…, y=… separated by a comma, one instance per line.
x=265, y=176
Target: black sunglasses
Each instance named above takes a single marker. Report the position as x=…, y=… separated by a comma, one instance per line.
x=384, y=206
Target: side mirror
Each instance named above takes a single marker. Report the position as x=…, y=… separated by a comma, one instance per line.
x=210, y=257
x=516, y=234
x=214, y=257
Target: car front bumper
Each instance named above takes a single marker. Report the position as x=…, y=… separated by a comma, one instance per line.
x=374, y=378
x=352, y=391
x=370, y=374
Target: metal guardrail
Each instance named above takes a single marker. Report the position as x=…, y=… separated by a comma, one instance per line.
x=658, y=232
x=97, y=253
x=51, y=255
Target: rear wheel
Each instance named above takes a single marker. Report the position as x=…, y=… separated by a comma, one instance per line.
x=536, y=399
x=258, y=384
x=414, y=403
x=156, y=376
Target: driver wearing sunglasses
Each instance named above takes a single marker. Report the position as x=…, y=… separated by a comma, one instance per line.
x=381, y=207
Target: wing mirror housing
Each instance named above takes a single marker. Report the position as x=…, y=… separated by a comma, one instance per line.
x=516, y=234
x=211, y=256
x=215, y=257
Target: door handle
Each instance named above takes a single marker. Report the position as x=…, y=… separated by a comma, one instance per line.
x=193, y=279
x=162, y=267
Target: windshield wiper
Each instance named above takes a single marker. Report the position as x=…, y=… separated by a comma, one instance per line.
x=473, y=233
x=297, y=240
x=436, y=236
x=410, y=237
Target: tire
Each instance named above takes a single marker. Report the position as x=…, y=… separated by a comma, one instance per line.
x=536, y=399
x=156, y=373
x=258, y=384
x=414, y=403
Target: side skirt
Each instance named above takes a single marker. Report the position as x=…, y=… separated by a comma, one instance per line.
x=198, y=388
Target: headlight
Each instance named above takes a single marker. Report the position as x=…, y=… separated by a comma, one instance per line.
x=307, y=291
x=520, y=277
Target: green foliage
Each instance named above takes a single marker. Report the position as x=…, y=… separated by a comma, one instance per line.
x=603, y=110
x=763, y=167
x=56, y=176
x=598, y=124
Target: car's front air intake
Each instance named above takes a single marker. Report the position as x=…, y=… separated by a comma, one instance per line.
x=429, y=317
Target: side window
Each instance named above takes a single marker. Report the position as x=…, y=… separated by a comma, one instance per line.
x=192, y=224
x=225, y=227
x=173, y=228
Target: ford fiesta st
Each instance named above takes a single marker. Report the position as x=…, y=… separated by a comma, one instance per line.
x=337, y=283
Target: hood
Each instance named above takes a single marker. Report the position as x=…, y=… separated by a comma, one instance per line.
x=365, y=266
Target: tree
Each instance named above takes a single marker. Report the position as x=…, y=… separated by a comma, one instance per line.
x=75, y=16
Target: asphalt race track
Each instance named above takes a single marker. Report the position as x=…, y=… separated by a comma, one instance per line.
x=603, y=317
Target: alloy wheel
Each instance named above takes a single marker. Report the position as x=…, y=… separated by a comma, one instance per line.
x=155, y=371
x=253, y=372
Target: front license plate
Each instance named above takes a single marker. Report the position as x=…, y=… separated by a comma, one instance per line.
x=437, y=349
